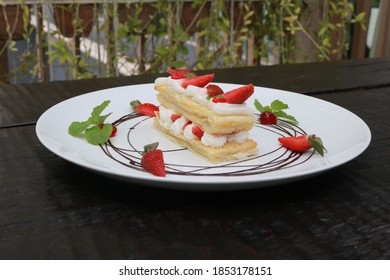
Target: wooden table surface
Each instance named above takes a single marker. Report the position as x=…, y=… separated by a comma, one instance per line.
x=52, y=209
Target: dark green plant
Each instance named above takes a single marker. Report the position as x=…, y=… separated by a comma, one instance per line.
x=267, y=29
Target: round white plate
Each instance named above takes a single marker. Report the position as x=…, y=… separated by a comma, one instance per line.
x=344, y=135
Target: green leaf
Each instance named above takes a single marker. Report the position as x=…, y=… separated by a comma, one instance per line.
x=267, y=109
x=258, y=106
x=284, y=115
x=77, y=128
x=278, y=105
x=134, y=104
x=99, y=133
x=96, y=135
x=95, y=115
x=317, y=144
x=103, y=118
x=276, y=108
x=150, y=147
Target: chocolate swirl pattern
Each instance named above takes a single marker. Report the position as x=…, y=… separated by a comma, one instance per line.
x=272, y=160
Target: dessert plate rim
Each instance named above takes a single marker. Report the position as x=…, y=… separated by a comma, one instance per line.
x=321, y=116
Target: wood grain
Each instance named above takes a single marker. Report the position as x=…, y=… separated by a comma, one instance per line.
x=52, y=209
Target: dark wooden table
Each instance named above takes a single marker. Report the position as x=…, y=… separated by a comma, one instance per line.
x=52, y=209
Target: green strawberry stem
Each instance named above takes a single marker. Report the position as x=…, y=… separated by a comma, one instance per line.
x=134, y=104
x=150, y=147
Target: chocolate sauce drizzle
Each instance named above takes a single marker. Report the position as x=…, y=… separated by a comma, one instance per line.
x=277, y=159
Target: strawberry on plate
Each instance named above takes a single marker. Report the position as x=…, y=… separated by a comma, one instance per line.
x=239, y=95
x=199, y=81
x=146, y=109
x=181, y=74
x=153, y=160
x=303, y=143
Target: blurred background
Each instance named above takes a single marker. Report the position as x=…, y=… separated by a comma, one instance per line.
x=42, y=40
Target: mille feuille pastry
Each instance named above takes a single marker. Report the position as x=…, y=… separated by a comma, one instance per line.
x=199, y=116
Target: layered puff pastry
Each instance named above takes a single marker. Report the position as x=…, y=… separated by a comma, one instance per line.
x=214, y=127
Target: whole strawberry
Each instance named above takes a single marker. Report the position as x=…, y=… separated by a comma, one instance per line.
x=303, y=143
x=153, y=160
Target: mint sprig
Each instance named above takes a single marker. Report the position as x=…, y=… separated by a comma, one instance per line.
x=94, y=129
x=276, y=107
x=317, y=144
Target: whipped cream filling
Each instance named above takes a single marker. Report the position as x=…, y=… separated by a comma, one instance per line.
x=207, y=139
x=200, y=95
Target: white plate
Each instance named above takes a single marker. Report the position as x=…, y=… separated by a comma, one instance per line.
x=344, y=135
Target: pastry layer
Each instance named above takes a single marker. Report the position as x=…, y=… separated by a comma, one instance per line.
x=201, y=115
x=230, y=151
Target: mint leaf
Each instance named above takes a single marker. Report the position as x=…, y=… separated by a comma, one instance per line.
x=278, y=105
x=77, y=128
x=317, y=145
x=95, y=115
x=103, y=118
x=275, y=108
x=284, y=115
x=96, y=135
x=94, y=129
x=258, y=106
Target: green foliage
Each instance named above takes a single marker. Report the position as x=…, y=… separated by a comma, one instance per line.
x=94, y=129
x=222, y=37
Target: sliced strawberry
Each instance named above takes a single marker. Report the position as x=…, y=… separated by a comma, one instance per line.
x=214, y=90
x=153, y=161
x=185, y=125
x=181, y=74
x=239, y=95
x=174, y=117
x=219, y=100
x=199, y=81
x=146, y=109
x=303, y=143
x=197, y=131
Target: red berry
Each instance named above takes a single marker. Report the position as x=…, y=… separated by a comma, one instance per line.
x=174, y=117
x=113, y=133
x=197, y=131
x=214, y=90
x=153, y=162
x=268, y=118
